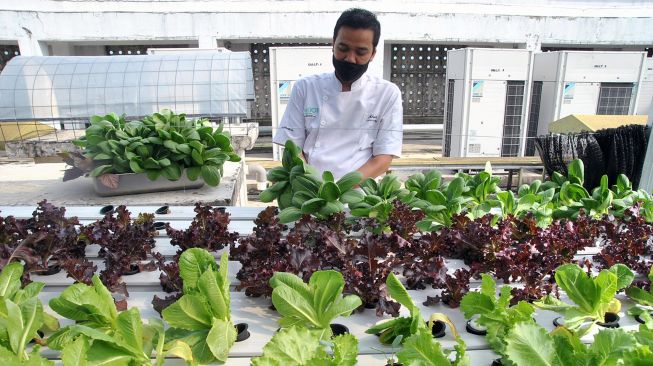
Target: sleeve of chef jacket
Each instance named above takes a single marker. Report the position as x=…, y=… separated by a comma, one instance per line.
x=389, y=138
x=292, y=123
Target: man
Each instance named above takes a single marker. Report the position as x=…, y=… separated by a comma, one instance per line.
x=346, y=120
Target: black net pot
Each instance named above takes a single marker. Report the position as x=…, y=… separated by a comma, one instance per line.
x=243, y=332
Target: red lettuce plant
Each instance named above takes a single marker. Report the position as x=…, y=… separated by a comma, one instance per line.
x=261, y=254
x=53, y=237
x=12, y=246
x=366, y=269
x=209, y=230
x=626, y=241
x=453, y=289
x=124, y=245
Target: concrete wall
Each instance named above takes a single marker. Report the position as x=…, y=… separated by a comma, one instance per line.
x=40, y=26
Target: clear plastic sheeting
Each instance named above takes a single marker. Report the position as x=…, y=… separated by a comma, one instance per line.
x=77, y=87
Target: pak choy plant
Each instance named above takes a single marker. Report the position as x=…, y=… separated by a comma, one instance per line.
x=625, y=198
x=201, y=318
x=21, y=318
x=300, y=190
x=101, y=334
x=405, y=326
x=377, y=201
x=314, y=305
x=481, y=188
x=494, y=312
x=531, y=199
x=593, y=297
x=320, y=197
x=299, y=346
x=281, y=177
x=162, y=144
x=439, y=205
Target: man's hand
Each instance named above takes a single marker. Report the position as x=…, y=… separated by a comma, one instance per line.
x=376, y=166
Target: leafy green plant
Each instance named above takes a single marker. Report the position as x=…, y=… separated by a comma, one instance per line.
x=10, y=289
x=298, y=346
x=495, y=313
x=377, y=200
x=422, y=183
x=314, y=305
x=404, y=327
x=530, y=199
x=593, y=297
x=21, y=317
x=202, y=317
x=91, y=306
x=281, y=177
x=300, y=190
x=643, y=298
x=101, y=334
x=421, y=349
x=130, y=343
x=439, y=205
x=162, y=144
x=481, y=187
x=530, y=344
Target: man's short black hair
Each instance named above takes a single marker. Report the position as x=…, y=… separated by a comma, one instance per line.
x=359, y=19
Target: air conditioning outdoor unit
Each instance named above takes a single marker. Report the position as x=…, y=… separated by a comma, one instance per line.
x=287, y=65
x=646, y=89
x=584, y=82
x=486, y=101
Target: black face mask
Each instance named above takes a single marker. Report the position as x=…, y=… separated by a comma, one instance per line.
x=348, y=72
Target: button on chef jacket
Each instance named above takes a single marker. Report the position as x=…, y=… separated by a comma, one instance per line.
x=340, y=131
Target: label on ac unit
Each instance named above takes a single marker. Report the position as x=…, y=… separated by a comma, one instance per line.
x=477, y=88
x=474, y=148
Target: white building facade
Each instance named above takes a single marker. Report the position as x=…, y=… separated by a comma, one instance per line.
x=415, y=33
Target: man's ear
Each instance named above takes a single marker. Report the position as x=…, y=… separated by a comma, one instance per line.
x=373, y=54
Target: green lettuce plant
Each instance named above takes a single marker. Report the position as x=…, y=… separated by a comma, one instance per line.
x=202, y=317
x=298, y=346
x=643, y=299
x=421, y=349
x=495, y=313
x=21, y=317
x=405, y=326
x=314, y=305
x=593, y=297
x=530, y=344
x=102, y=335
x=130, y=343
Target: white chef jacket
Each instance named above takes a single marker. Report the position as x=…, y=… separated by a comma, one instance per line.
x=340, y=131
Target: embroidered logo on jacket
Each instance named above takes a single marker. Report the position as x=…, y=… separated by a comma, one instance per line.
x=311, y=111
